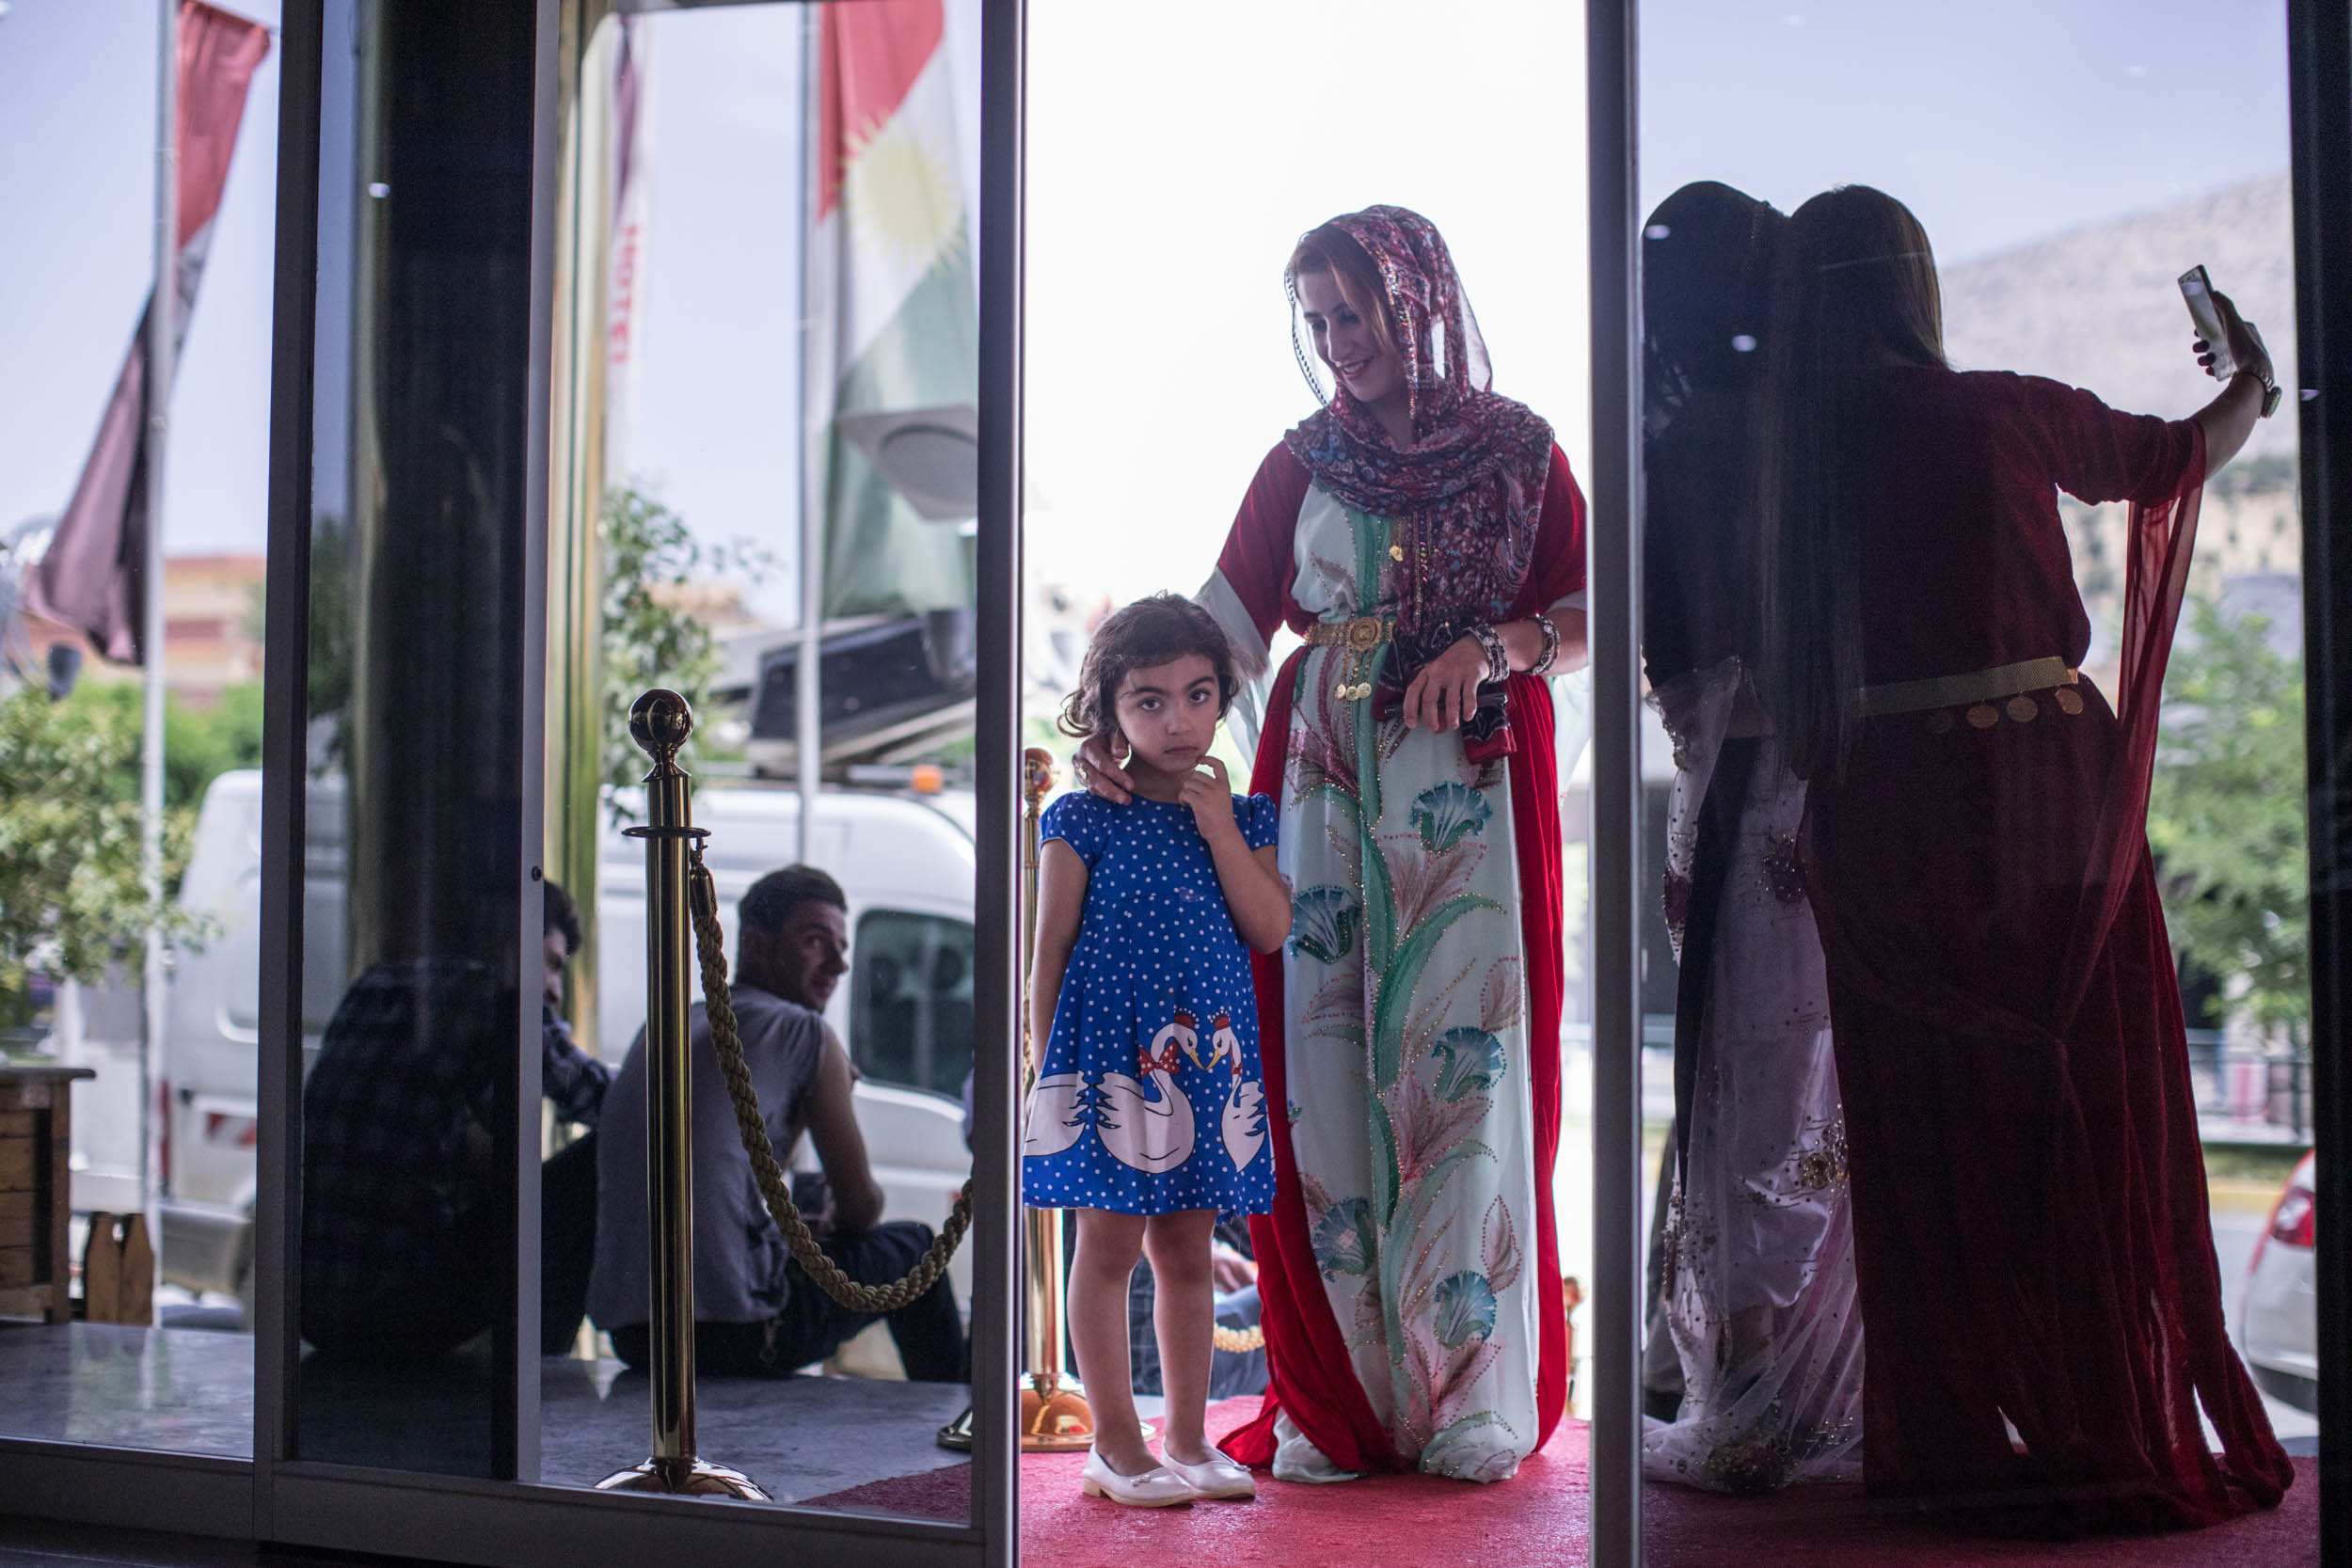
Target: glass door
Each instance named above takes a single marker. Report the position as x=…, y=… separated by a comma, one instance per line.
x=1933, y=1209
x=128, y=1020
x=569, y=274
x=1413, y=1183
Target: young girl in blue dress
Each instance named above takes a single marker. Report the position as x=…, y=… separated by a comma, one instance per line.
x=1148, y=1113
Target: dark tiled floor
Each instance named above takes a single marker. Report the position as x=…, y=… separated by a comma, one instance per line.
x=799, y=1438
x=37, y=1543
x=191, y=1391
x=180, y=1389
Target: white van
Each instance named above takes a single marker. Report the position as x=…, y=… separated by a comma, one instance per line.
x=905, y=1008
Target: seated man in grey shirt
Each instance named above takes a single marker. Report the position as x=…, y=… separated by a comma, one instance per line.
x=756, y=1311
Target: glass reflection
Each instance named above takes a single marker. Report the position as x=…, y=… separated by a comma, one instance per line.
x=415, y=978
x=2006, y=1027
x=719, y=152
x=1755, y=1355
x=127, y=1088
x=1950, y=666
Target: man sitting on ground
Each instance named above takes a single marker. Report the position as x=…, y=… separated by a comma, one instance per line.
x=757, y=1311
x=576, y=1083
x=399, y=1223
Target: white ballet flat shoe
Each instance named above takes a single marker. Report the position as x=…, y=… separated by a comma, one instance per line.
x=1216, y=1476
x=1157, y=1487
x=1297, y=1458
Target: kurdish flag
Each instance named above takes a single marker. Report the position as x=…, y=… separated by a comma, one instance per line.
x=890, y=295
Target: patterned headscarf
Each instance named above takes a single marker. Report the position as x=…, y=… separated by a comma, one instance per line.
x=1470, y=487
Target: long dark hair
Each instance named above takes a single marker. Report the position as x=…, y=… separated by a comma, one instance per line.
x=1856, y=290
x=1707, y=294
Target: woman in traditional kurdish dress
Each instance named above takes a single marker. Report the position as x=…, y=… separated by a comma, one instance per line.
x=1757, y=1303
x=1425, y=535
x=2034, y=1250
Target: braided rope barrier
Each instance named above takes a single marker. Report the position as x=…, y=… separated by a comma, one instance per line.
x=709, y=945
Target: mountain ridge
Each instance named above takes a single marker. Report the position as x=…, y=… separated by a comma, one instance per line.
x=2099, y=306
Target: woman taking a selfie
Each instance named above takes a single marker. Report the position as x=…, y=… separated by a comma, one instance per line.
x=2034, y=1251
x=1425, y=537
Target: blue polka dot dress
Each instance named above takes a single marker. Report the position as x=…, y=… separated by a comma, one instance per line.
x=1148, y=1097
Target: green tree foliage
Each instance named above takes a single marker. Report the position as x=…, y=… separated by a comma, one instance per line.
x=70, y=899
x=649, y=642
x=2226, y=818
x=328, y=688
x=199, y=743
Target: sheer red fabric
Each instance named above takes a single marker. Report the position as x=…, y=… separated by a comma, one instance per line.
x=1307, y=1359
x=2028, y=1188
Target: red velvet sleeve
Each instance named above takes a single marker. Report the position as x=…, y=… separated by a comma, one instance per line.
x=1257, y=562
x=1558, y=568
x=2097, y=454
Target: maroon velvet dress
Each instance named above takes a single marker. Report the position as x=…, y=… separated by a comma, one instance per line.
x=2028, y=1190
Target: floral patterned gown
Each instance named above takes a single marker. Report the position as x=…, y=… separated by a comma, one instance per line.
x=1419, y=1088
x=1760, y=1300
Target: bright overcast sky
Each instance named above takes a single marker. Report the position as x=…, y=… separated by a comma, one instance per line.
x=1175, y=153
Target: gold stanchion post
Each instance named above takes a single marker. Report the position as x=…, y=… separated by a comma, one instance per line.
x=659, y=721
x=1055, y=1416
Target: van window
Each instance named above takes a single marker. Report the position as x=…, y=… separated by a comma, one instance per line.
x=910, y=1000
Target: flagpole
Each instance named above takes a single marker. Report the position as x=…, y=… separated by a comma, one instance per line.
x=808, y=691
x=162, y=320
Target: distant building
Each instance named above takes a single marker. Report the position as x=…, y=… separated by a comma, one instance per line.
x=211, y=628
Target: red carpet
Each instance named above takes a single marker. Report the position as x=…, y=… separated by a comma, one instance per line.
x=1541, y=1516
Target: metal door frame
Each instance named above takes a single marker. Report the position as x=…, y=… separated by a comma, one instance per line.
x=275, y=1498
x=278, y=1498
x=2319, y=57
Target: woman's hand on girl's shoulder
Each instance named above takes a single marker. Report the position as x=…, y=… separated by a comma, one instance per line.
x=1097, y=767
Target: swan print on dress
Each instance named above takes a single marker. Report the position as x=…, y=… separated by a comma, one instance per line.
x=1149, y=1099
x=1243, y=1122
x=1148, y=1125
x=1182, y=1032
x=1057, y=1116
x=1224, y=1045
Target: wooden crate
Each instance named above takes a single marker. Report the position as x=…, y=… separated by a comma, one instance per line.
x=36, y=1134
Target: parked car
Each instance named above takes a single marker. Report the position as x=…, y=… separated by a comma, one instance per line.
x=905, y=1008
x=2279, y=1327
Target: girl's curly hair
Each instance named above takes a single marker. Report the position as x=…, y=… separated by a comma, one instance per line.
x=1154, y=631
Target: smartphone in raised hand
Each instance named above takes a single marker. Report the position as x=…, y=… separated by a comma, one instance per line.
x=2197, y=289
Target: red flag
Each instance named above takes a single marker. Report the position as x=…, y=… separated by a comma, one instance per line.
x=626, y=245
x=92, y=576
